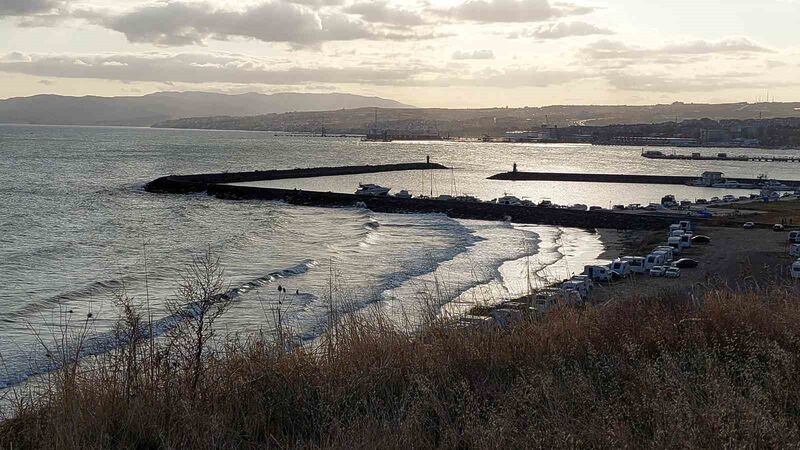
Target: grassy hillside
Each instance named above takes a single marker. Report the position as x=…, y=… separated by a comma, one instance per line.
x=721, y=370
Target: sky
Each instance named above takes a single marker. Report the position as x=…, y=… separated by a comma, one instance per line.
x=427, y=53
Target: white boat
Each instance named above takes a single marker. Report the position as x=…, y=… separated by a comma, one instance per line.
x=403, y=194
x=728, y=184
x=509, y=200
x=468, y=198
x=775, y=186
x=372, y=190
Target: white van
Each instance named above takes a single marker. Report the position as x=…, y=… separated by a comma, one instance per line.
x=576, y=286
x=669, y=251
x=652, y=260
x=621, y=268
x=585, y=279
x=635, y=263
x=794, y=250
x=796, y=270
x=677, y=233
x=598, y=273
x=686, y=241
x=686, y=225
x=675, y=242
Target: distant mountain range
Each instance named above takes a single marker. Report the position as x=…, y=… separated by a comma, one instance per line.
x=488, y=121
x=161, y=106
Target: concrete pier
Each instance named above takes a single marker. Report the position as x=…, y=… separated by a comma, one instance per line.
x=198, y=183
x=618, y=178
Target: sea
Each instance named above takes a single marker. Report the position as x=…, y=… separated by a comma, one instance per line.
x=77, y=230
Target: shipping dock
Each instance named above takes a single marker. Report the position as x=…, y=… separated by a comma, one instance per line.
x=655, y=154
x=745, y=183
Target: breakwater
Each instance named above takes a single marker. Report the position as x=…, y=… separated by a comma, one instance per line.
x=721, y=157
x=198, y=183
x=455, y=209
x=619, y=178
x=218, y=185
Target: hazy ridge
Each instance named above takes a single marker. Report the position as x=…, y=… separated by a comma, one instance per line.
x=476, y=122
x=153, y=108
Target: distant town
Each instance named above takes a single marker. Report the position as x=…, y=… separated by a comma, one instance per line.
x=763, y=133
x=765, y=125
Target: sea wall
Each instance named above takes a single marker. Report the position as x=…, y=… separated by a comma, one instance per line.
x=616, y=178
x=178, y=184
x=455, y=209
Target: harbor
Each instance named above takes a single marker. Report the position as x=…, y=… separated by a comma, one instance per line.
x=508, y=208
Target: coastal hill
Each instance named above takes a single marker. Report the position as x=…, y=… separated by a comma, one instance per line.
x=153, y=108
x=478, y=122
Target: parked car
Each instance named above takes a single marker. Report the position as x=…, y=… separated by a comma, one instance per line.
x=701, y=201
x=618, y=207
x=700, y=239
x=673, y=272
x=621, y=268
x=653, y=260
x=777, y=227
x=635, y=263
x=595, y=208
x=675, y=243
x=585, y=279
x=796, y=270
x=729, y=198
x=669, y=252
x=794, y=237
x=600, y=273
x=748, y=225
x=685, y=263
x=794, y=250
x=658, y=271
x=576, y=286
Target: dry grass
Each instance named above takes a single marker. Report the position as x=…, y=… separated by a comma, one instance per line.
x=653, y=372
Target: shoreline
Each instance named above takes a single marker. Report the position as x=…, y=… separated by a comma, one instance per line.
x=737, y=259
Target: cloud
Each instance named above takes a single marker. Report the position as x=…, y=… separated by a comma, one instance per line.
x=317, y=3
x=381, y=12
x=15, y=57
x=511, y=78
x=187, y=23
x=609, y=50
x=659, y=82
x=476, y=54
x=28, y=7
x=489, y=11
x=196, y=68
x=561, y=30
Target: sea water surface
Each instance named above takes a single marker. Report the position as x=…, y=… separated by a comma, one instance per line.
x=76, y=227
